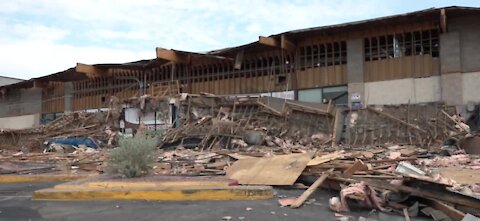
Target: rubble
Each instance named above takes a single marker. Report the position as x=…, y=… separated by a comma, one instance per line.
x=79, y=128
x=229, y=123
x=394, y=160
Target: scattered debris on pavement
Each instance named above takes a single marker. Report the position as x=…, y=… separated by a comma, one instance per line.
x=407, y=160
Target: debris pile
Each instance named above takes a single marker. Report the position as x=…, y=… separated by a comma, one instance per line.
x=73, y=130
x=406, y=160
x=211, y=122
x=81, y=161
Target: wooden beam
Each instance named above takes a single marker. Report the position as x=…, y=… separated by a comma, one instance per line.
x=92, y=71
x=336, y=126
x=287, y=44
x=311, y=189
x=173, y=56
x=283, y=42
x=239, y=60
x=405, y=213
x=444, y=195
x=443, y=21
x=396, y=119
x=269, y=41
x=454, y=214
x=39, y=84
x=357, y=166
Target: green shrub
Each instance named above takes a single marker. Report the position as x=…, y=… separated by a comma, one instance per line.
x=133, y=158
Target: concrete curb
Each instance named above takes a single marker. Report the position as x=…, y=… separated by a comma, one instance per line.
x=192, y=193
x=119, y=184
x=40, y=178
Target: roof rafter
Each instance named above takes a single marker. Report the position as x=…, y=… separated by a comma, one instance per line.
x=283, y=42
x=91, y=71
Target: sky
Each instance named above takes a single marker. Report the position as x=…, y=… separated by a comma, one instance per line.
x=41, y=37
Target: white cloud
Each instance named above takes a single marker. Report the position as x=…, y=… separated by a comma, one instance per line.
x=45, y=36
x=113, y=35
x=33, y=59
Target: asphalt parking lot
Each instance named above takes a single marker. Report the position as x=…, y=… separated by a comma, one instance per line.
x=16, y=204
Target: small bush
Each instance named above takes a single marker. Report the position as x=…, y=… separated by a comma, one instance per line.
x=133, y=158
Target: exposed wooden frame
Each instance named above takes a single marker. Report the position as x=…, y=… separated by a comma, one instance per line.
x=443, y=21
x=239, y=59
x=173, y=56
x=92, y=71
x=283, y=42
x=287, y=44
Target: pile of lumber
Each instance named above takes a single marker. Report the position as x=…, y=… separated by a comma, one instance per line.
x=78, y=124
x=210, y=122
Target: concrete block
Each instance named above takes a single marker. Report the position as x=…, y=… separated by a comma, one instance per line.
x=469, y=45
x=20, y=122
x=427, y=89
x=355, y=61
x=68, y=97
x=452, y=89
x=403, y=91
x=471, y=87
x=450, y=52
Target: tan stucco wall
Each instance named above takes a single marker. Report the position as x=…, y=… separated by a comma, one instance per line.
x=20, y=122
x=403, y=91
x=471, y=87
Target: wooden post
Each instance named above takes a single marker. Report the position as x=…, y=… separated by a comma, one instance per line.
x=311, y=189
x=338, y=114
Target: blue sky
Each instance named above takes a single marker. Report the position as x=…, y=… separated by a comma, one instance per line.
x=40, y=37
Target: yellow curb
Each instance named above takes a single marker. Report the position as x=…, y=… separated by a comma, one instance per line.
x=152, y=184
x=159, y=193
x=40, y=178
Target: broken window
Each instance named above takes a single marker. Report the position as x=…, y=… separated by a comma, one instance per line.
x=401, y=44
x=343, y=52
x=398, y=46
x=322, y=55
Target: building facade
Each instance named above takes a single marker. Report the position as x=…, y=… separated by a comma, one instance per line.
x=8, y=80
x=419, y=57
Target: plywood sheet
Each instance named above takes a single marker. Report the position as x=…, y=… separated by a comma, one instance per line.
x=461, y=175
x=325, y=158
x=277, y=170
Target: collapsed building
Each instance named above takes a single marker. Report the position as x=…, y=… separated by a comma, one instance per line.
x=420, y=58
x=413, y=58
x=368, y=99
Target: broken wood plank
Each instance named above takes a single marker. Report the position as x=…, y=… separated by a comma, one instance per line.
x=396, y=119
x=443, y=195
x=239, y=156
x=454, y=214
x=311, y=189
x=325, y=158
x=304, y=108
x=378, y=177
x=338, y=114
x=357, y=166
x=270, y=109
x=405, y=213
x=457, y=122
x=393, y=160
x=277, y=170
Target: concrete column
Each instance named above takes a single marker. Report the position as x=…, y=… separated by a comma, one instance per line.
x=450, y=53
x=30, y=101
x=450, y=68
x=355, y=75
x=68, y=97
